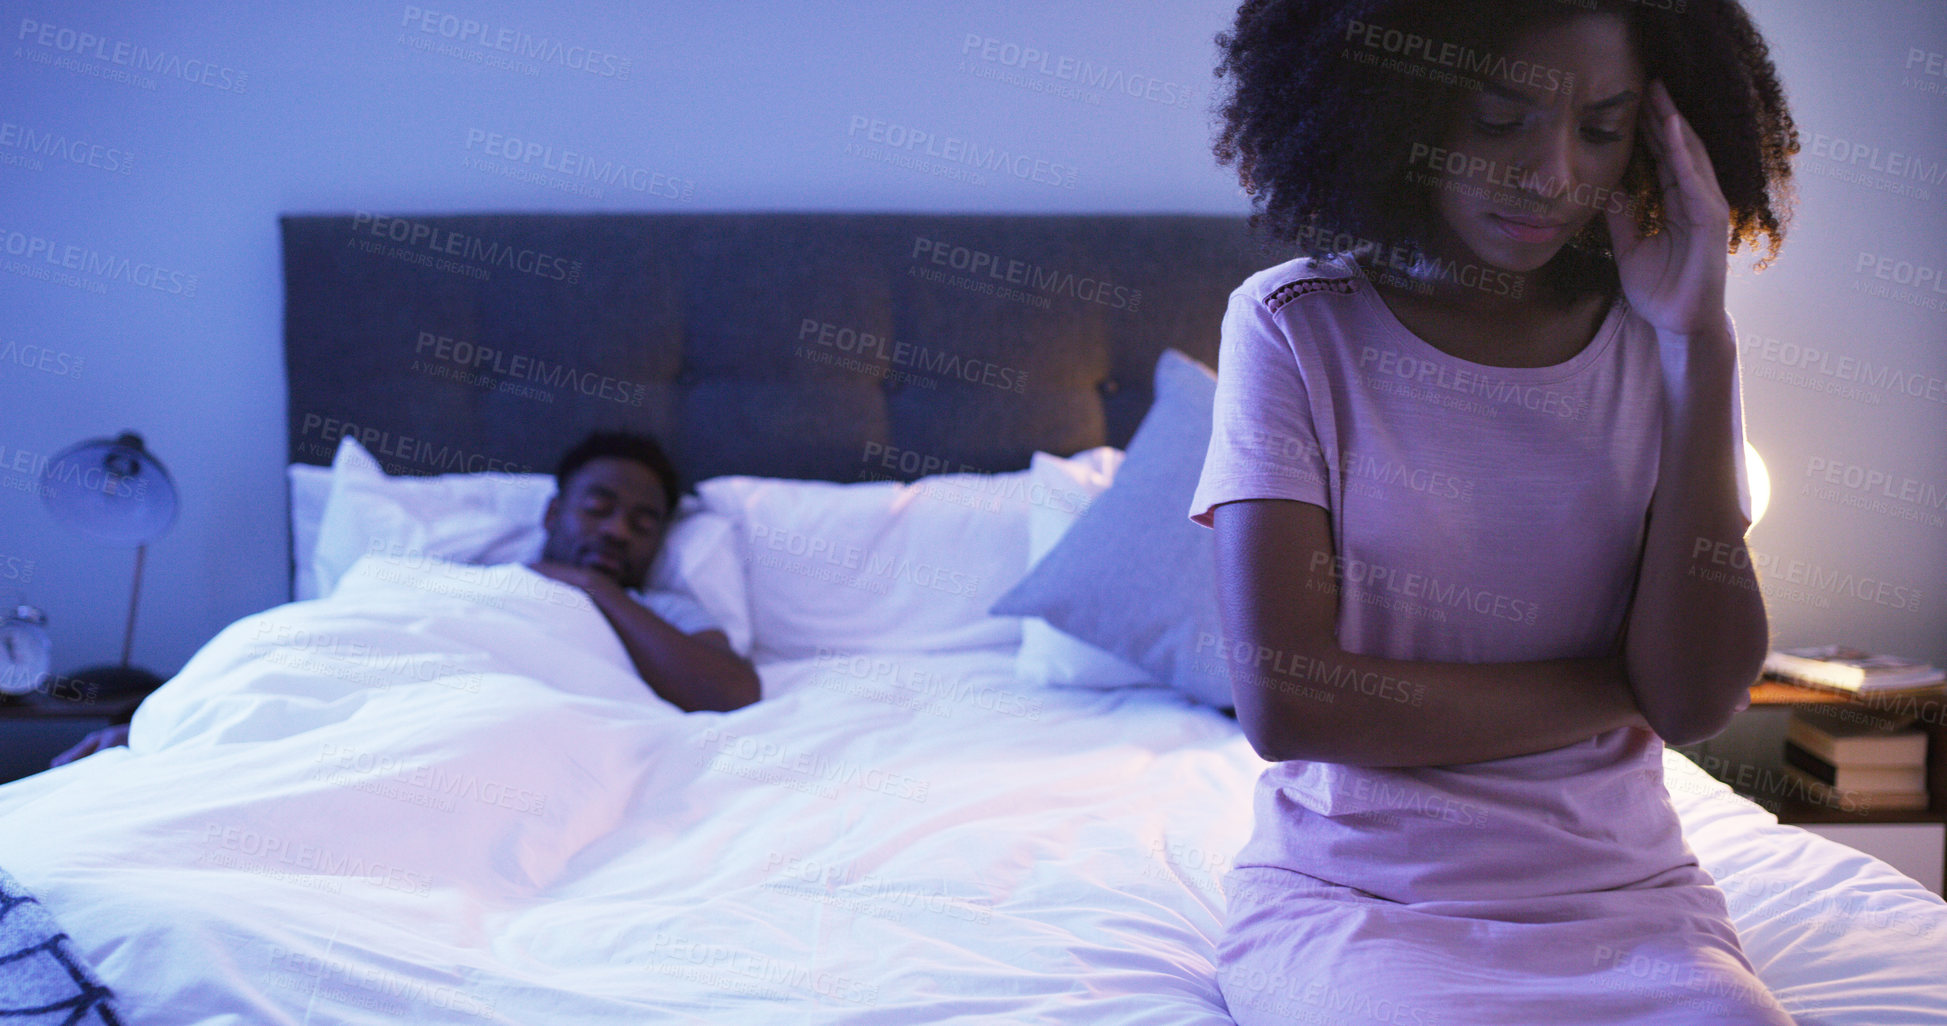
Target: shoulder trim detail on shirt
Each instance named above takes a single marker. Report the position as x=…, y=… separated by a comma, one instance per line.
x=1292, y=290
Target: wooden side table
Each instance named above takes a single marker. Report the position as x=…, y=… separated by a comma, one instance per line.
x=39, y=726
x=1895, y=831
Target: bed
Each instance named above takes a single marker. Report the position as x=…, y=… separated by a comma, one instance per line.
x=439, y=795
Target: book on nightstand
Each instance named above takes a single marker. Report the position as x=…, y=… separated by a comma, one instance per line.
x=1857, y=758
x=1848, y=777
x=1852, y=799
x=1843, y=735
x=1844, y=668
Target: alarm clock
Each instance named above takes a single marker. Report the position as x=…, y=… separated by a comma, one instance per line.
x=25, y=650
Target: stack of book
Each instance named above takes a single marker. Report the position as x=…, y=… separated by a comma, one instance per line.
x=1855, y=761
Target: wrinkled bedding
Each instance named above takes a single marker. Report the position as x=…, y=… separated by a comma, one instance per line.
x=443, y=796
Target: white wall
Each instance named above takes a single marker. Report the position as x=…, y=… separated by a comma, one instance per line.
x=750, y=107
x=1856, y=563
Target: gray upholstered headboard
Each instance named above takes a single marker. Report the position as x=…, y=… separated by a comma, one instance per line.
x=826, y=346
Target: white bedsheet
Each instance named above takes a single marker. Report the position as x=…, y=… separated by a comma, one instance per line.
x=517, y=831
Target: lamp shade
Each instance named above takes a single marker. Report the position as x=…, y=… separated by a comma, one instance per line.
x=112, y=489
x=1760, y=479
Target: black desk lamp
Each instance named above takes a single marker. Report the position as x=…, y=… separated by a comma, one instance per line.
x=115, y=491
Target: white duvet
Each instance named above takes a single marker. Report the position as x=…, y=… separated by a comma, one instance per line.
x=443, y=796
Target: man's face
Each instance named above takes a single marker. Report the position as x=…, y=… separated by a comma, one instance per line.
x=609, y=520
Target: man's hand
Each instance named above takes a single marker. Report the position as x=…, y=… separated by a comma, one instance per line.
x=598, y=585
x=100, y=740
x=692, y=672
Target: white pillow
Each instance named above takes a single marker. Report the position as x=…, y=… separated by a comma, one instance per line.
x=496, y=518
x=466, y=518
x=310, y=488
x=701, y=558
x=1062, y=490
x=877, y=566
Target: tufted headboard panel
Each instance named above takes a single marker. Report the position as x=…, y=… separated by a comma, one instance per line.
x=825, y=346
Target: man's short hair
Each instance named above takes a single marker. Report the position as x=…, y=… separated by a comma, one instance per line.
x=620, y=445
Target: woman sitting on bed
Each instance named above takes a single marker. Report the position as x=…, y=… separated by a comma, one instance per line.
x=1487, y=439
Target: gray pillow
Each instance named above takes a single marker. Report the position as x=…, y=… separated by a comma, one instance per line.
x=1134, y=576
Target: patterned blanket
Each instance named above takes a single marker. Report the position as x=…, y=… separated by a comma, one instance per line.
x=42, y=980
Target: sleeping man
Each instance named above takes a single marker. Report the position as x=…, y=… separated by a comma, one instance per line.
x=614, y=496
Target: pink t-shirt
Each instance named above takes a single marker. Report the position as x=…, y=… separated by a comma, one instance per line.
x=1479, y=514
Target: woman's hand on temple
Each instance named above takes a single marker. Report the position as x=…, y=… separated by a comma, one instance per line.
x=1675, y=279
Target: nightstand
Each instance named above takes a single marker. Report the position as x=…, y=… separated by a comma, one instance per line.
x=37, y=727
x=1750, y=757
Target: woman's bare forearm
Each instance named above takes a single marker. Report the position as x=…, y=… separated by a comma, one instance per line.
x=1361, y=710
x=1697, y=629
x=1300, y=695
